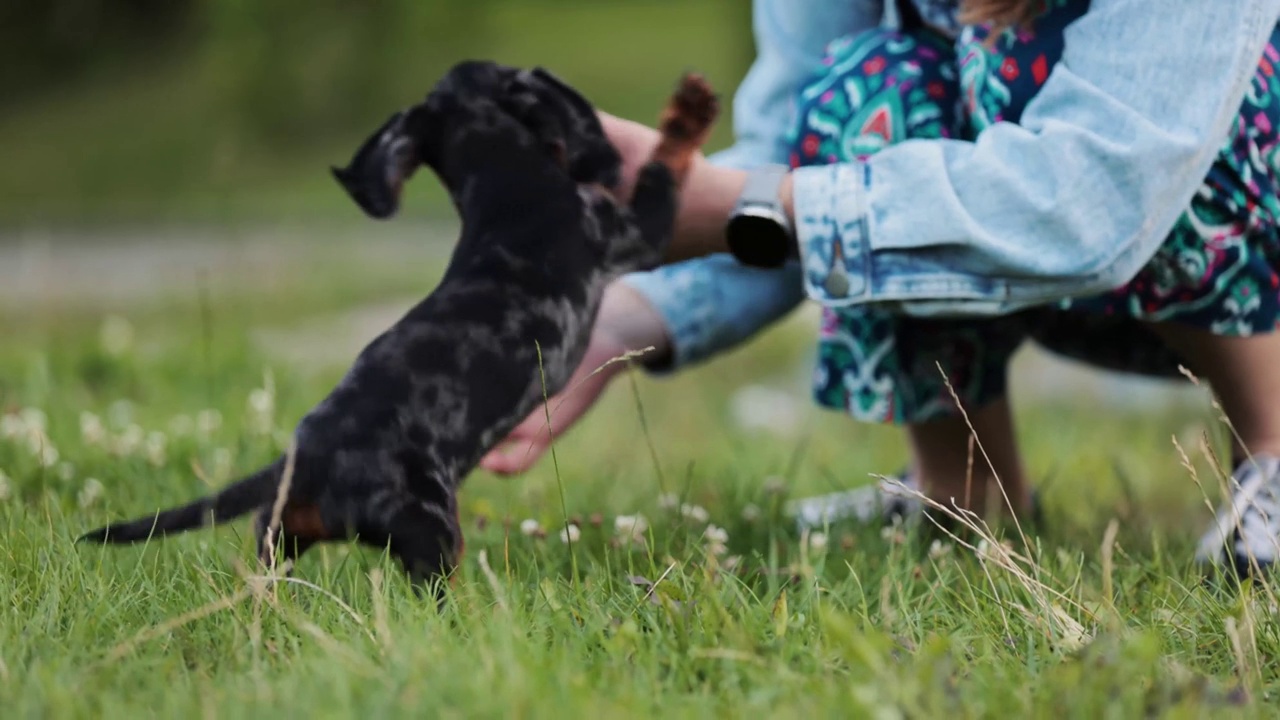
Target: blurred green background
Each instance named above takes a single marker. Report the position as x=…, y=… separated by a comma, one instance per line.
x=137, y=112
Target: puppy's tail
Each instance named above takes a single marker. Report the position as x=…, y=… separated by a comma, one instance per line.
x=233, y=501
x=686, y=124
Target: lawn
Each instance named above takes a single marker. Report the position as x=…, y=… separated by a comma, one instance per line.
x=116, y=407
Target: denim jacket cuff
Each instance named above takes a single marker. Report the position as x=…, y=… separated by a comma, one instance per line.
x=682, y=298
x=830, y=207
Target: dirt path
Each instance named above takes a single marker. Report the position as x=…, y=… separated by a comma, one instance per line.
x=117, y=268
x=104, y=268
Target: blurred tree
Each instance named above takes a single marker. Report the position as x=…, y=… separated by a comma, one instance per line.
x=44, y=42
x=291, y=69
x=745, y=48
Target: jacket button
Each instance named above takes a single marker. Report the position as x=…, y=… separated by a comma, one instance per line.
x=837, y=284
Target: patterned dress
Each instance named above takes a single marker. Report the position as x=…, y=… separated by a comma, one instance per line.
x=1218, y=270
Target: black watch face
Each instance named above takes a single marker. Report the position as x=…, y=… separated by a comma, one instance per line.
x=757, y=241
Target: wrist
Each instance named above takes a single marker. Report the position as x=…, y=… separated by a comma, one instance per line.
x=760, y=231
x=786, y=196
x=710, y=195
x=628, y=323
x=707, y=200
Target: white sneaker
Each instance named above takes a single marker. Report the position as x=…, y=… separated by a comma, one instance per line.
x=1247, y=529
x=883, y=502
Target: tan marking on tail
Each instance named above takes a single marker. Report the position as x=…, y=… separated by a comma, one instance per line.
x=686, y=124
x=304, y=521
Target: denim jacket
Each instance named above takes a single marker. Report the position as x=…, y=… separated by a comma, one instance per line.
x=1070, y=202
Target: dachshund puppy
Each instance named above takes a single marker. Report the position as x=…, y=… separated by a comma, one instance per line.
x=531, y=172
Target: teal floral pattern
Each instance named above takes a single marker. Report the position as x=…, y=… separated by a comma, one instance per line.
x=1219, y=269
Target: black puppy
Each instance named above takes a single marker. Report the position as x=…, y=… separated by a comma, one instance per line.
x=529, y=168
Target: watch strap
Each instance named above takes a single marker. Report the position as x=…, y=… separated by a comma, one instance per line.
x=759, y=205
x=761, y=187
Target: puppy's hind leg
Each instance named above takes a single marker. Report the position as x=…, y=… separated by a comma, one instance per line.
x=298, y=528
x=426, y=539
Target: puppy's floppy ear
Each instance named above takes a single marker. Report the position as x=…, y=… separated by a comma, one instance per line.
x=592, y=158
x=567, y=92
x=520, y=98
x=376, y=174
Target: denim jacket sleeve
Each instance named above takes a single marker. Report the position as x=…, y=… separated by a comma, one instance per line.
x=1070, y=202
x=712, y=304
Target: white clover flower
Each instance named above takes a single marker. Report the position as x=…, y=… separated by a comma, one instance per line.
x=66, y=472
x=715, y=534
x=775, y=485
x=716, y=538
x=732, y=562
x=116, y=335
x=668, y=501
x=120, y=413
x=818, y=541
x=695, y=512
x=6, y=488
x=631, y=527
x=47, y=453
x=91, y=492
x=530, y=527
x=181, y=425
x=570, y=534
x=156, y=443
x=12, y=426
x=221, y=463
x=34, y=419
x=893, y=533
x=751, y=513
x=262, y=405
x=208, y=422
x=261, y=402
x=994, y=552
x=939, y=549
x=34, y=439
x=91, y=429
x=130, y=441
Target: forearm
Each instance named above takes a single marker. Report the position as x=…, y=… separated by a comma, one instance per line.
x=703, y=306
x=1070, y=202
x=707, y=201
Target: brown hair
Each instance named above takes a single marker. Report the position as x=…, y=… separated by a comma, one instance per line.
x=1001, y=13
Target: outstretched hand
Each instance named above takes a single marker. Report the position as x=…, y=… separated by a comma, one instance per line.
x=707, y=197
x=635, y=142
x=626, y=324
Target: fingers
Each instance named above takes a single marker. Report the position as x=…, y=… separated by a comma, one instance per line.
x=626, y=320
x=530, y=440
x=515, y=460
x=634, y=142
x=522, y=449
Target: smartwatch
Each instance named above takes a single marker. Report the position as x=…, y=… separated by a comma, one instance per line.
x=758, y=233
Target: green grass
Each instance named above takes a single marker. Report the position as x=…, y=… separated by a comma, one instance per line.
x=870, y=626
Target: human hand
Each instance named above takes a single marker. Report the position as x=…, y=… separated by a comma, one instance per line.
x=635, y=142
x=626, y=323
x=707, y=197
